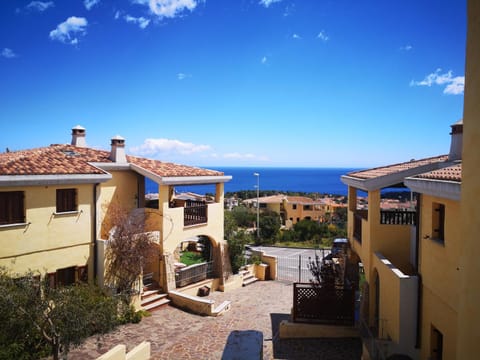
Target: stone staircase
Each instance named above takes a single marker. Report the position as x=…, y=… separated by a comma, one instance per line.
x=248, y=277
x=152, y=297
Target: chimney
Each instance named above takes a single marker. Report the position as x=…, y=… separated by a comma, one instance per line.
x=118, y=150
x=78, y=136
x=456, y=142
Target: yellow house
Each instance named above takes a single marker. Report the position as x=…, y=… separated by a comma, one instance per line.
x=392, y=248
x=468, y=336
x=293, y=209
x=440, y=249
x=55, y=204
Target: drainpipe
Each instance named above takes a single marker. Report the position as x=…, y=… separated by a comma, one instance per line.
x=419, y=276
x=95, y=256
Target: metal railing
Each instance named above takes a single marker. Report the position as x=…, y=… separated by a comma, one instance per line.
x=398, y=217
x=195, y=212
x=193, y=273
x=377, y=348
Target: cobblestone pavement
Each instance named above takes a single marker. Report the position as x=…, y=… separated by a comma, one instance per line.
x=176, y=334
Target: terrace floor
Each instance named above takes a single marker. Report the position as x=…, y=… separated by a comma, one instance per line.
x=175, y=334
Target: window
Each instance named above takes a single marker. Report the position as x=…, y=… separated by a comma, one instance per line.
x=438, y=222
x=307, y=207
x=436, y=344
x=68, y=276
x=294, y=206
x=66, y=200
x=12, y=209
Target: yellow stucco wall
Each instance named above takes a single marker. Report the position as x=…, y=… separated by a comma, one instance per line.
x=438, y=314
x=469, y=310
x=50, y=241
x=121, y=191
x=439, y=263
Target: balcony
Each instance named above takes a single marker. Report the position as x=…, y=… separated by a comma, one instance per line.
x=358, y=218
x=194, y=212
x=398, y=217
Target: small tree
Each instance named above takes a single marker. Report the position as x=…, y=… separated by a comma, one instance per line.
x=36, y=318
x=236, y=249
x=129, y=249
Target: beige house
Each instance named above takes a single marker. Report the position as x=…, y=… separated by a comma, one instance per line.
x=401, y=252
x=293, y=209
x=55, y=204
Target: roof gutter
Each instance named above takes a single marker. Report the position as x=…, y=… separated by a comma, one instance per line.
x=67, y=179
x=438, y=188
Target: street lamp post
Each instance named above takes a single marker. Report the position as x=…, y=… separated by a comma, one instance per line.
x=258, y=204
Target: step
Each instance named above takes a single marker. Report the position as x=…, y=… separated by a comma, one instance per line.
x=148, y=293
x=156, y=304
x=151, y=298
x=249, y=281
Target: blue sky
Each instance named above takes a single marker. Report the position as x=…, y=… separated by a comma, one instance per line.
x=338, y=83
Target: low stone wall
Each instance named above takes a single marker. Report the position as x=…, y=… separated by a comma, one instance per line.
x=197, y=305
x=119, y=352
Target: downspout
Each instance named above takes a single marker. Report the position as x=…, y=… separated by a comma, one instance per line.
x=95, y=255
x=419, y=288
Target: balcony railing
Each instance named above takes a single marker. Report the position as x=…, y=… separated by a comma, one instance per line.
x=195, y=212
x=357, y=224
x=398, y=217
x=193, y=273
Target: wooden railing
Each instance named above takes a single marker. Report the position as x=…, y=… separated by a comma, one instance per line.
x=195, y=212
x=398, y=217
x=315, y=304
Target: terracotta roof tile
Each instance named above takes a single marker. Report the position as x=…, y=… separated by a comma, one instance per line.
x=52, y=160
x=391, y=169
x=69, y=159
x=170, y=169
x=451, y=173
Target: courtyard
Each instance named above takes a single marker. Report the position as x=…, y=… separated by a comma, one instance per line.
x=261, y=306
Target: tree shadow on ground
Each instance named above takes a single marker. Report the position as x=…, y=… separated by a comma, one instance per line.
x=318, y=348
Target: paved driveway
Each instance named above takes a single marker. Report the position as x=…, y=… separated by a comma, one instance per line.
x=175, y=334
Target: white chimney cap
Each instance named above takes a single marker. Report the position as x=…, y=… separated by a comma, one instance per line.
x=78, y=127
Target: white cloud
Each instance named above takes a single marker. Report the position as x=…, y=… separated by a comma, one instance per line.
x=406, y=48
x=322, y=35
x=182, y=76
x=65, y=31
x=237, y=155
x=296, y=36
x=90, y=3
x=267, y=3
x=40, y=5
x=169, y=8
x=8, y=53
x=453, y=85
x=264, y=60
x=117, y=15
x=141, y=21
x=162, y=146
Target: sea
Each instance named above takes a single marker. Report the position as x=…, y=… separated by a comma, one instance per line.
x=307, y=180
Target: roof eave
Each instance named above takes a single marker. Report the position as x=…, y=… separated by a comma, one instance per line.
x=180, y=180
x=385, y=181
x=438, y=188
x=64, y=179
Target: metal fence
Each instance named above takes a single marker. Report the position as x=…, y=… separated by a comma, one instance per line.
x=193, y=273
x=295, y=268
